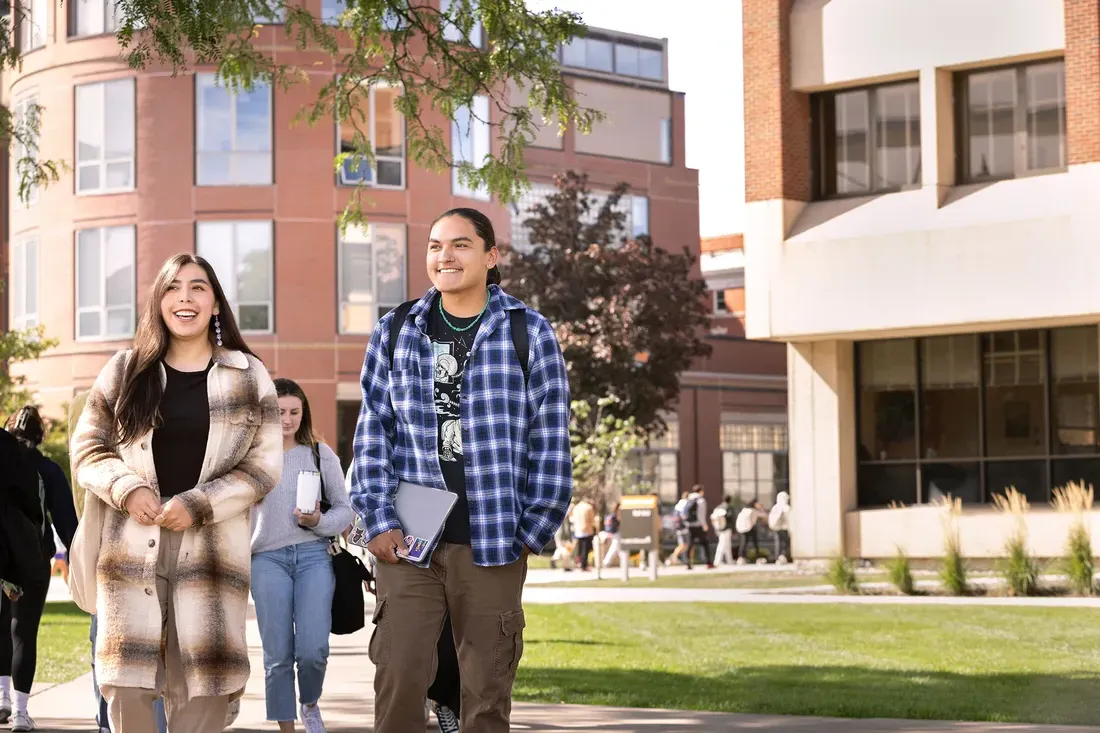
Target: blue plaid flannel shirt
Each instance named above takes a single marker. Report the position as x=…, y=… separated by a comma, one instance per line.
x=515, y=442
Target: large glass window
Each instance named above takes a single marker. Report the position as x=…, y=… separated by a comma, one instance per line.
x=26, y=116
x=32, y=24
x=867, y=140
x=1007, y=409
x=589, y=53
x=94, y=17
x=372, y=275
x=241, y=254
x=657, y=467
x=754, y=460
x=24, y=284
x=1013, y=121
x=234, y=134
x=105, y=284
x=470, y=143
x=374, y=119
x=105, y=137
x=453, y=33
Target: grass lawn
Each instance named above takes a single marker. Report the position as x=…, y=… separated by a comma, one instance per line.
x=956, y=663
x=64, y=652
x=701, y=578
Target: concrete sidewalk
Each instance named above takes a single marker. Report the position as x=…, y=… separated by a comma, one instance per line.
x=349, y=694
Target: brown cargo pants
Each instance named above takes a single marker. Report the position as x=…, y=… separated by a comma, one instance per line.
x=484, y=604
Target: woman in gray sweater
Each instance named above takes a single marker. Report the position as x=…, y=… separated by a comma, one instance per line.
x=292, y=579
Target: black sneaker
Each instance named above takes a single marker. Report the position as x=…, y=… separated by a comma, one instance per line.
x=448, y=721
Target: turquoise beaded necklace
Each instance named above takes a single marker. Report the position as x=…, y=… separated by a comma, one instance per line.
x=473, y=323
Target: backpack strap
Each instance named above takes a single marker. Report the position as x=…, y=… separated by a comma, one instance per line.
x=400, y=314
x=518, y=321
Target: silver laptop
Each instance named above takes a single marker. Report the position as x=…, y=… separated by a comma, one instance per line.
x=423, y=512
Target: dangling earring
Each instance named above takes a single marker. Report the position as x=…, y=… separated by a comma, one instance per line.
x=217, y=330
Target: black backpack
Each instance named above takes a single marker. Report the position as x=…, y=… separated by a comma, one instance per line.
x=517, y=318
x=691, y=511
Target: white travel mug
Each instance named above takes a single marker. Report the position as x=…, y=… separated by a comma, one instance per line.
x=309, y=491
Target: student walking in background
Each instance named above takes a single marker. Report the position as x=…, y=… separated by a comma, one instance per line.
x=722, y=519
x=583, y=518
x=695, y=513
x=747, y=519
x=611, y=525
x=292, y=576
x=179, y=438
x=779, y=521
x=20, y=616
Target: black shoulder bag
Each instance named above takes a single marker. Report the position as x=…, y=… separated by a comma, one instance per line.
x=348, y=604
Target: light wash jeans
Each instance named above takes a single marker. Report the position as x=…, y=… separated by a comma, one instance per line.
x=101, y=702
x=293, y=588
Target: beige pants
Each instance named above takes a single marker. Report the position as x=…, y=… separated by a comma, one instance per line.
x=131, y=708
x=487, y=619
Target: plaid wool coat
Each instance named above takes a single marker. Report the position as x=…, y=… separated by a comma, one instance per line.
x=243, y=462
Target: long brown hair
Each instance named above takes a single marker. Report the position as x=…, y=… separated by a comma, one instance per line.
x=139, y=398
x=289, y=388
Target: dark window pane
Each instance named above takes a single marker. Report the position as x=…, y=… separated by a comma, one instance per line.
x=960, y=480
x=949, y=399
x=897, y=139
x=885, y=485
x=1028, y=477
x=887, y=416
x=1015, y=393
x=1076, y=388
x=1046, y=115
x=853, y=165
x=991, y=116
x=1086, y=471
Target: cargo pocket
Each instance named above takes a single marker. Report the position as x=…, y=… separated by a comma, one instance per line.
x=509, y=643
x=378, y=650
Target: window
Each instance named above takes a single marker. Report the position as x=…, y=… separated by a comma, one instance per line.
x=657, y=468
x=589, y=53
x=372, y=275
x=1012, y=121
x=32, y=24
x=453, y=33
x=105, y=137
x=24, y=284
x=241, y=255
x=26, y=121
x=867, y=140
x=995, y=410
x=94, y=17
x=639, y=216
x=331, y=10
x=666, y=140
x=383, y=126
x=470, y=143
x=721, y=307
x=234, y=135
x=754, y=459
x=269, y=16
x=105, y=283
x=641, y=61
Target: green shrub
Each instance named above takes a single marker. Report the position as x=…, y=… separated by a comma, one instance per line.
x=953, y=572
x=1020, y=570
x=1075, y=498
x=842, y=575
x=901, y=573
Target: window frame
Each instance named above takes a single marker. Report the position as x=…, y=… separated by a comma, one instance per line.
x=341, y=295
x=719, y=296
x=233, y=123
x=29, y=318
x=104, y=161
x=234, y=256
x=347, y=181
x=823, y=157
x=29, y=23
x=111, y=19
x=104, y=335
x=457, y=187
x=19, y=109
x=1019, y=118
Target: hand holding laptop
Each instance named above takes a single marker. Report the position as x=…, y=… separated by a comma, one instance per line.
x=386, y=545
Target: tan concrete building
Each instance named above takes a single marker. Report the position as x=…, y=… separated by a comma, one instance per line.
x=163, y=164
x=921, y=230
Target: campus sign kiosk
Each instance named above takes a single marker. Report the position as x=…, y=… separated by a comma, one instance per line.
x=639, y=529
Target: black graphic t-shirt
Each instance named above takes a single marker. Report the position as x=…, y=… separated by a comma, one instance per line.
x=452, y=349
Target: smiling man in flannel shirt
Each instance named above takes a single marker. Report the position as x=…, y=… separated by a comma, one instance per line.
x=458, y=412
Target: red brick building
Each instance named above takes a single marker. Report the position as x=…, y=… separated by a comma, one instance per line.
x=163, y=164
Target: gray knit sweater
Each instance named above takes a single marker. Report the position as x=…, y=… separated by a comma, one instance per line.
x=273, y=523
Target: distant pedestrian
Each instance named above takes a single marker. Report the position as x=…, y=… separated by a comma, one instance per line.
x=695, y=513
x=779, y=521
x=611, y=525
x=747, y=520
x=583, y=517
x=679, y=526
x=722, y=519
